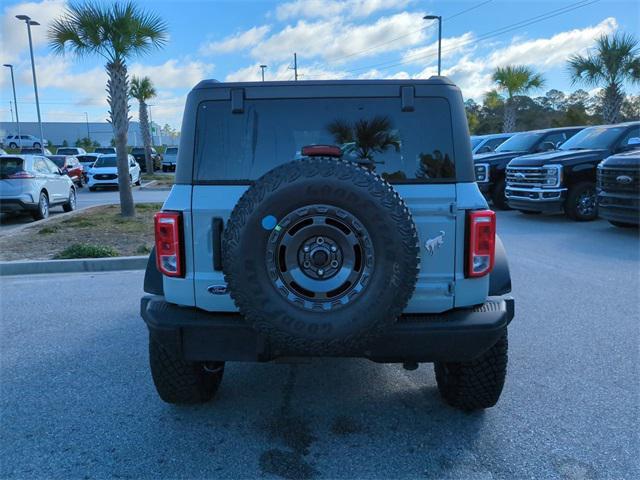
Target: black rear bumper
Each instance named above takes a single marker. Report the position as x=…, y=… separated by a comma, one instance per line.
x=457, y=335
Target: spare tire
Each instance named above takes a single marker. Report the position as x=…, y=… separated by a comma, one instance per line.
x=321, y=255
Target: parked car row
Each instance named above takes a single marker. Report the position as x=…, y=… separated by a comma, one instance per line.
x=576, y=170
x=35, y=183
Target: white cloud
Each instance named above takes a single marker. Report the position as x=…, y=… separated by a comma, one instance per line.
x=554, y=50
x=283, y=72
x=174, y=73
x=333, y=38
x=336, y=8
x=236, y=42
x=451, y=47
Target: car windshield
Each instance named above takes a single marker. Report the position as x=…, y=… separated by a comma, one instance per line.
x=171, y=151
x=593, y=138
x=521, y=142
x=475, y=141
x=10, y=165
x=104, y=150
x=106, y=161
x=66, y=151
x=57, y=159
x=86, y=158
x=373, y=132
x=137, y=150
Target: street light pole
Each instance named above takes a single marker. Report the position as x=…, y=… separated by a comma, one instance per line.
x=15, y=100
x=29, y=23
x=262, y=67
x=439, y=18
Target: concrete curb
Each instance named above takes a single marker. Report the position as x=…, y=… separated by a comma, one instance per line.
x=151, y=188
x=74, y=265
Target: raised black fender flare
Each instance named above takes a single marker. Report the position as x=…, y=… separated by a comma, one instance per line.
x=152, y=276
x=500, y=277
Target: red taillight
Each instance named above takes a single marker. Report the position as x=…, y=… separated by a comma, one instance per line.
x=169, y=256
x=481, y=228
x=21, y=175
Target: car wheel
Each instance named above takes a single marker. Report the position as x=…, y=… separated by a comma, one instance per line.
x=581, y=204
x=13, y=145
x=36, y=145
x=43, y=207
x=529, y=212
x=498, y=198
x=477, y=384
x=71, y=203
x=623, y=224
x=321, y=256
x=80, y=182
x=181, y=382
x=92, y=189
x=139, y=180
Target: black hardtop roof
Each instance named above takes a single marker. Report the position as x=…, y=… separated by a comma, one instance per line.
x=306, y=83
x=542, y=130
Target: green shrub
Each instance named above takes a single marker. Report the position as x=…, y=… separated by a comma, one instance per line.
x=49, y=230
x=143, y=249
x=86, y=250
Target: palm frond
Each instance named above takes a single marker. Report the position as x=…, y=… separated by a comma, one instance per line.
x=142, y=89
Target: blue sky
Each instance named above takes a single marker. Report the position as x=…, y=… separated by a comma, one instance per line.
x=228, y=40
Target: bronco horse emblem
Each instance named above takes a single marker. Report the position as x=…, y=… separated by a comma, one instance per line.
x=434, y=243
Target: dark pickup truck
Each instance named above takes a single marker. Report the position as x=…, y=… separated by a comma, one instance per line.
x=138, y=154
x=490, y=167
x=565, y=179
x=619, y=188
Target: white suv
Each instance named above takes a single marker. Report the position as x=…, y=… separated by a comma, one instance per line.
x=19, y=141
x=104, y=172
x=34, y=183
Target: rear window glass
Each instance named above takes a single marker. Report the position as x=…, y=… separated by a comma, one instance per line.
x=171, y=151
x=58, y=160
x=106, y=161
x=404, y=147
x=66, y=151
x=10, y=165
x=137, y=150
x=86, y=158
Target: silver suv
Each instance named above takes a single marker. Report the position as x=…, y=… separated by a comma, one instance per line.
x=34, y=184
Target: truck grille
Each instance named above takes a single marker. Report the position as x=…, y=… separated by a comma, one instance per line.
x=105, y=176
x=621, y=180
x=525, y=177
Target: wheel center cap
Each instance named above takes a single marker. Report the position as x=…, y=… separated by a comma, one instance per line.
x=319, y=258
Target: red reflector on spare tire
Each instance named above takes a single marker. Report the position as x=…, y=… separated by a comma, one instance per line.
x=321, y=151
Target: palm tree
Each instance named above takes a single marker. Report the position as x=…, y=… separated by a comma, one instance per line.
x=614, y=62
x=515, y=80
x=367, y=136
x=142, y=90
x=115, y=32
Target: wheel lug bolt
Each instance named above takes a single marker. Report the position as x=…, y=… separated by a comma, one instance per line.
x=319, y=240
x=320, y=272
x=306, y=248
x=306, y=264
x=333, y=248
x=334, y=264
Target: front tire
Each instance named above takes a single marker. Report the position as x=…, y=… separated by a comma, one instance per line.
x=180, y=382
x=13, y=146
x=498, y=198
x=36, y=145
x=581, y=204
x=477, y=384
x=43, y=207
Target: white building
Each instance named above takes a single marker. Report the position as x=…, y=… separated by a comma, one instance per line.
x=58, y=132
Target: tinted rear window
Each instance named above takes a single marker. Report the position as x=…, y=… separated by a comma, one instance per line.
x=10, y=165
x=404, y=147
x=137, y=150
x=66, y=151
x=171, y=151
x=58, y=160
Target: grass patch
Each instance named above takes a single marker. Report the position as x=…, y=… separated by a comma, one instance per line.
x=97, y=232
x=160, y=179
x=86, y=250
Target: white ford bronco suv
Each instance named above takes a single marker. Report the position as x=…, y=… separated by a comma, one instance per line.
x=327, y=218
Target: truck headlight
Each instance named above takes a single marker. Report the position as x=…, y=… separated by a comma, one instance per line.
x=482, y=172
x=553, y=175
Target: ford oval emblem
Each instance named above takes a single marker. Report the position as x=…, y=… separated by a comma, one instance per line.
x=624, y=179
x=520, y=176
x=217, y=289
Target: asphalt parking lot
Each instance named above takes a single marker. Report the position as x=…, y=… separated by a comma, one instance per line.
x=77, y=400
